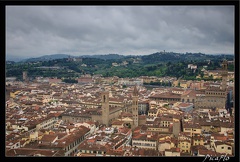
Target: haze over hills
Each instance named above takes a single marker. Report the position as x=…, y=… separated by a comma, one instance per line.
x=98, y=56
x=46, y=57
x=61, y=56
x=14, y=58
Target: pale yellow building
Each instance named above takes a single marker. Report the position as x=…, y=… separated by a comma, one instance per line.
x=184, y=145
x=197, y=140
x=223, y=148
x=192, y=129
x=172, y=152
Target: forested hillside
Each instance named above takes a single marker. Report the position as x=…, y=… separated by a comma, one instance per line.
x=157, y=64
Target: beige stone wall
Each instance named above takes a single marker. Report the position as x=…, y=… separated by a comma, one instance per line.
x=225, y=149
x=184, y=146
x=191, y=99
x=170, y=153
x=210, y=102
x=145, y=144
x=198, y=142
x=164, y=146
x=68, y=118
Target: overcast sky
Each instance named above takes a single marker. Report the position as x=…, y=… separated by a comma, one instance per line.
x=33, y=31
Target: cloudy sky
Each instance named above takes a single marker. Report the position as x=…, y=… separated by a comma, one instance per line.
x=33, y=31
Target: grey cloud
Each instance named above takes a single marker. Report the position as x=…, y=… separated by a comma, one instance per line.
x=120, y=29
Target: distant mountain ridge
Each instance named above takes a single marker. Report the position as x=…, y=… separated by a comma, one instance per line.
x=163, y=56
x=105, y=57
x=15, y=58
x=61, y=56
x=46, y=58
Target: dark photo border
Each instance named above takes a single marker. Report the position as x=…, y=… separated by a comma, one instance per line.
x=234, y=3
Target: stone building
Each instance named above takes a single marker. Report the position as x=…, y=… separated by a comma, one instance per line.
x=106, y=112
x=215, y=96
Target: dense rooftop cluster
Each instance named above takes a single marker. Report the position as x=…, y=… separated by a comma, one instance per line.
x=58, y=119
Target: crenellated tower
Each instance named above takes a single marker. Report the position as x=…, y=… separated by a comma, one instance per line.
x=135, y=107
x=105, y=107
x=224, y=75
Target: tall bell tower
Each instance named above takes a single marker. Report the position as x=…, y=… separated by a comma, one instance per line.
x=135, y=107
x=224, y=74
x=105, y=107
